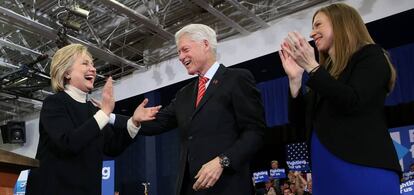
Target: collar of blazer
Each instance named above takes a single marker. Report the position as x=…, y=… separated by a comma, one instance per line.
x=214, y=84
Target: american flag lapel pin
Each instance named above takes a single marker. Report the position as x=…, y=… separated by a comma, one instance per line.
x=215, y=81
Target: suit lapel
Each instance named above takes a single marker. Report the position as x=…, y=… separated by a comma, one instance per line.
x=215, y=83
x=192, y=94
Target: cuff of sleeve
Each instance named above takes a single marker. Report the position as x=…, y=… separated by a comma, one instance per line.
x=112, y=118
x=101, y=118
x=132, y=129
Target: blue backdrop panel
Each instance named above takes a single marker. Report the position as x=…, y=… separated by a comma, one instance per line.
x=108, y=177
x=403, y=59
x=275, y=97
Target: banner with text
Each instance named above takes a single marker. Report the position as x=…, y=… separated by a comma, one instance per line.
x=277, y=173
x=108, y=177
x=297, y=157
x=261, y=176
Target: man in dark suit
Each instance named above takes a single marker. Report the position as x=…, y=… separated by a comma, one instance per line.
x=220, y=117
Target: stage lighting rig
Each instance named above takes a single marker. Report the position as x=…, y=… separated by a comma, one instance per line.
x=76, y=10
x=61, y=40
x=68, y=14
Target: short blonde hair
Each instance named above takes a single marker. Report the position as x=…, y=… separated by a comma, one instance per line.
x=62, y=62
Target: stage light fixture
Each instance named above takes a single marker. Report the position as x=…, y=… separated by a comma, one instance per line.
x=76, y=10
x=72, y=25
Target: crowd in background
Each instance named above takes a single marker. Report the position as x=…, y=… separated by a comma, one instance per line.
x=295, y=183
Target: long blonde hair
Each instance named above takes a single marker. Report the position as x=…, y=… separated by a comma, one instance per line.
x=350, y=34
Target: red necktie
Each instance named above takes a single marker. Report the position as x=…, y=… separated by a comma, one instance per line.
x=201, y=88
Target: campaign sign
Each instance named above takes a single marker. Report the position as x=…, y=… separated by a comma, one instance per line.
x=277, y=173
x=20, y=186
x=407, y=188
x=297, y=157
x=260, y=176
x=403, y=139
x=108, y=177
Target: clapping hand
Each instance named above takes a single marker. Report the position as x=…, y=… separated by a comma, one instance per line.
x=108, y=101
x=300, y=51
x=292, y=69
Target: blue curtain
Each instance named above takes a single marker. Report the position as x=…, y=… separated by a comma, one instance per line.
x=162, y=155
x=130, y=168
x=403, y=60
x=152, y=159
x=275, y=97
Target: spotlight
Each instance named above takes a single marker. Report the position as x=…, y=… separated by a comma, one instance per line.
x=76, y=10
x=76, y=26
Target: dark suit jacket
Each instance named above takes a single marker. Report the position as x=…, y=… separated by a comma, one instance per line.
x=229, y=120
x=348, y=113
x=71, y=147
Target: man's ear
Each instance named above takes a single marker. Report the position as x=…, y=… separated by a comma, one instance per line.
x=206, y=44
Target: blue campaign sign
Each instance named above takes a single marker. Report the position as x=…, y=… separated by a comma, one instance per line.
x=403, y=138
x=261, y=176
x=20, y=186
x=298, y=165
x=108, y=177
x=277, y=173
x=407, y=188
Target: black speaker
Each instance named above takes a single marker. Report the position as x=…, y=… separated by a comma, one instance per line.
x=14, y=132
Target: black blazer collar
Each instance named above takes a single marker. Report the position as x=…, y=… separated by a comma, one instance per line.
x=215, y=83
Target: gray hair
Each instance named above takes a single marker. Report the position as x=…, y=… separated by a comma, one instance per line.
x=199, y=32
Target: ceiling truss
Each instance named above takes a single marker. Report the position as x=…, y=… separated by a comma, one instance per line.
x=123, y=36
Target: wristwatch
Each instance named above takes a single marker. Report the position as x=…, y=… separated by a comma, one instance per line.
x=224, y=161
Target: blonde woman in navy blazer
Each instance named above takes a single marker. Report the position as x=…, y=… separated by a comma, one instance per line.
x=74, y=133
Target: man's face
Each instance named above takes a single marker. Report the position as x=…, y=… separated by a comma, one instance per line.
x=193, y=54
x=286, y=191
x=274, y=165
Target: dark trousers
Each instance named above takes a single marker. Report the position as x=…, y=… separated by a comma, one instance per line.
x=187, y=186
